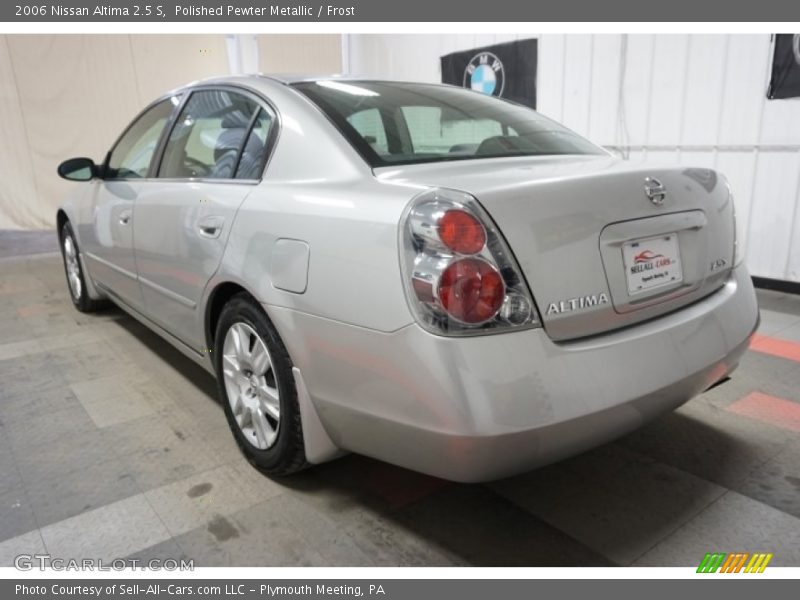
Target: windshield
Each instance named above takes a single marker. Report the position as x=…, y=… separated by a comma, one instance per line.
x=405, y=123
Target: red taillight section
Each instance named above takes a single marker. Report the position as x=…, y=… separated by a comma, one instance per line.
x=461, y=232
x=471, y=290
x=460, y=277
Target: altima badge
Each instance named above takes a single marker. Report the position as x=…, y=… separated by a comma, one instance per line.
x=718, y=264
x=655, y=190
x=573, y=304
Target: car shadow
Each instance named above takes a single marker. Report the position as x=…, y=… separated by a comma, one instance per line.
x=605, y=507
x=195, y=376
x=608, y=506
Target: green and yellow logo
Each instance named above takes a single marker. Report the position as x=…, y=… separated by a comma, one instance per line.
x=721, y=562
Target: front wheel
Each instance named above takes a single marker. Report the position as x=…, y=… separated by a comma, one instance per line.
x=256, y=384
x=76, y=281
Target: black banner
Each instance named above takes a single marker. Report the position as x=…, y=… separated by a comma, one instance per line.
x=504, y=70
x=474, y=11
x=265, y=588
x=785, y=80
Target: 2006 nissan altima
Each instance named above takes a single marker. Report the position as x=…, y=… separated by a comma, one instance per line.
x=419, y=273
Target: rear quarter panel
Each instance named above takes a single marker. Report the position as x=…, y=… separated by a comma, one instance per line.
x=350, y=228
x=316, y=189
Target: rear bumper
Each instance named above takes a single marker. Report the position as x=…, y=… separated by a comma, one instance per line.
x=476, y=409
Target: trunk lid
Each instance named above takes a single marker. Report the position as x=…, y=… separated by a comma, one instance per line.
x=598, y=253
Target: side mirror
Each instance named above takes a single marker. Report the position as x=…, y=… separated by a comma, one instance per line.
x=78, y=169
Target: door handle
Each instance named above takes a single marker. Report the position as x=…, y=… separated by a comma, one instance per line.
x=210, y=227
x=125, y=216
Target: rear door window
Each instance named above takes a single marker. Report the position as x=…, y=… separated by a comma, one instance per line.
x=254, y=153
x=209, y=134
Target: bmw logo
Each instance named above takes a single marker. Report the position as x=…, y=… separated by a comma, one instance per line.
x=485, y=74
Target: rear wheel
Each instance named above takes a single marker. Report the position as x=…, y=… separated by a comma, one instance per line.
x=256, y=384
x=76, y=281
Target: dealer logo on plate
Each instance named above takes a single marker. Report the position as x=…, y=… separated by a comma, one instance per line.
x=485, y=73
x=648, y=260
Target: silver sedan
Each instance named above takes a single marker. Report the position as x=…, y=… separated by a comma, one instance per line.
x=419, y=273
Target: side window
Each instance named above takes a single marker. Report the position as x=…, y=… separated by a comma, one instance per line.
x=254, y=152
x=369, y=125
x=131, y=157
x=433, y=131
x=207, y=136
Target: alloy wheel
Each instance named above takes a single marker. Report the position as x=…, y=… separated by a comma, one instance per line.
x=73, y=267
x=251, y=385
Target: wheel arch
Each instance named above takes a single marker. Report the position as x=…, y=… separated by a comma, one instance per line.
x=217, y=299
x=318, y=446
x=61, y=218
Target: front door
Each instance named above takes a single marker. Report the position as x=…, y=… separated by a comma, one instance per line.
x=107, y=237
x=214, y=155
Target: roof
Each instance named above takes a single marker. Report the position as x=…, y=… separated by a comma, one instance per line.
x=290, y=78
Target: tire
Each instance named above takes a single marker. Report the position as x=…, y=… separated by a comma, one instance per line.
x=73, y=269
x=251, y=387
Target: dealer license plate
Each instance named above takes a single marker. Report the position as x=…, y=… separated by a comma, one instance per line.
x=651, y=263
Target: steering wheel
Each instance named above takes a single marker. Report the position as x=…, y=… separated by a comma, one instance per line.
x=497, y=144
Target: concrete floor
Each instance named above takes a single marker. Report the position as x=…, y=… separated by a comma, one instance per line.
x=112, y=444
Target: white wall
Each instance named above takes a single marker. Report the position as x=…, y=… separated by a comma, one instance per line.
x=71, y=95
x=686, y=99
x=300, y=53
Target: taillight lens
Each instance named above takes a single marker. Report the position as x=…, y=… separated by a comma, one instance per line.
x=459, y=274
x=461, y=232
x=471, y=290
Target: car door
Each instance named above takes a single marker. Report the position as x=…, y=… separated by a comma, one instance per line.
x=107, y=234
x=213, y=157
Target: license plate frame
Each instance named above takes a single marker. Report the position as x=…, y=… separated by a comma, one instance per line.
x=652, y=263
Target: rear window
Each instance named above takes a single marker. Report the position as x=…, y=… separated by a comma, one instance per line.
x=406, y=123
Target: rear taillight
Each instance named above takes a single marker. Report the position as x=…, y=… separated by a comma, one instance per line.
x=461, y=232
x=471, y=290
x=459, y=275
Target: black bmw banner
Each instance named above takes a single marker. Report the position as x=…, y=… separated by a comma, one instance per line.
x=505, y=70
x=785, y=80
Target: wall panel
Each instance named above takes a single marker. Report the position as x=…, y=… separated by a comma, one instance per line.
x=164, y=62
x=19, y=202
x=604, y=94
x=769, y=231
x=550, y=76
x=667, y=87
x=637, y=87
x=745, y=89
x=300, y=53
x=76, y=94
x=71, y=95
x=705, y=82
x=577, y=80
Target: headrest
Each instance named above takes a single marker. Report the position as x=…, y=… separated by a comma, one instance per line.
x=235, y=120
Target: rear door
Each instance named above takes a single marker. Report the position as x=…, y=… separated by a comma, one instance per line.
x=107, y=234
x=213, y=157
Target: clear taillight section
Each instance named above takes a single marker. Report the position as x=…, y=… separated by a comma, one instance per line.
x=738, y=232
x=460, y=277
x=738, y=237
